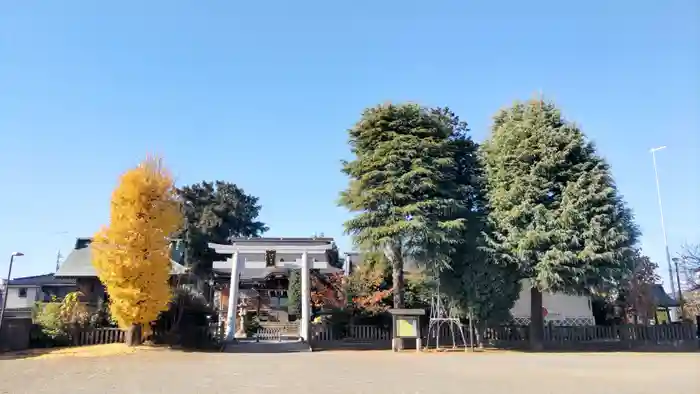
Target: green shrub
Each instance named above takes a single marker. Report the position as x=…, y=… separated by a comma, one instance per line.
x=51, y=329
x=57, y=322
x=251, y=326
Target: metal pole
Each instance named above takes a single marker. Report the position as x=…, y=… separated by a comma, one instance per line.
x=4, y=295
x=678, y=282
x=663, y=225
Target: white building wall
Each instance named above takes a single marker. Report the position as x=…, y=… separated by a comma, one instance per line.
x=14, y=301
x=562, y=309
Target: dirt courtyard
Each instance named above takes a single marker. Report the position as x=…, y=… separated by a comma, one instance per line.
x=173, y=372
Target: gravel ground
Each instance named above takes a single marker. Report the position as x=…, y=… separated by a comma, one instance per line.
x=175, y=372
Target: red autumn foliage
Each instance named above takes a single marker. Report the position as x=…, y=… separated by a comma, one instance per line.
x=328, y=291
x=369, y=290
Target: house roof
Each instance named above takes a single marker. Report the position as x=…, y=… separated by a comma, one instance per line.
x=41, y=280
x=79, y=262
x=661, y=298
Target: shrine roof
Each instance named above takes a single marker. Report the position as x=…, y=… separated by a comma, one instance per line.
x=282, y=241
x=249, y=274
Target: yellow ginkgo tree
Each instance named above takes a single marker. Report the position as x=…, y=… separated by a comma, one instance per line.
x=131, y=254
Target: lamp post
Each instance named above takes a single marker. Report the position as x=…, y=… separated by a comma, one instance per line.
x=661, y=212
x=678, y=281
x=7, y=286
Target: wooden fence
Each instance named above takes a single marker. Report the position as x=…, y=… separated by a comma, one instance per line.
x=351, y=334
x=667, y=337
x=626, y=333
x=100, y=336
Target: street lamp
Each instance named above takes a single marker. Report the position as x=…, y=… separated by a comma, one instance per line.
x=7, y=286
x=661, y=212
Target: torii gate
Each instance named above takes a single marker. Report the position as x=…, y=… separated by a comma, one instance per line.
x=301, y=262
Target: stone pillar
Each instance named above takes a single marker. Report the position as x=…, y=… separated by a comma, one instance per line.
x=305, y=298
x=231, y=315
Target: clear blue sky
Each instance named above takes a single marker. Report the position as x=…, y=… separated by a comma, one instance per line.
x=261, y=94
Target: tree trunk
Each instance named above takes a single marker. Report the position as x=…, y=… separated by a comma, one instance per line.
x=133, y=335
x=479, y=330
x=482, y=332
x=393, y=254
x=536, y=320
x=397, y=275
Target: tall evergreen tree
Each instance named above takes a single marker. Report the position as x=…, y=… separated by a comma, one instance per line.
x=402, y=185
x=553, y=206
x=216, y=212
x=481, y=287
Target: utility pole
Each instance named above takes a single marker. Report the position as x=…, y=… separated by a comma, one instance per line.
x=661, y=212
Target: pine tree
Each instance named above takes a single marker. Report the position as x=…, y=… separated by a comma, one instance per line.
x=553, y=205
x=402, y=185
x=131, y=255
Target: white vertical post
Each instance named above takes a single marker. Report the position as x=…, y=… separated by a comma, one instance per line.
x=232, y=299
x=305, y=298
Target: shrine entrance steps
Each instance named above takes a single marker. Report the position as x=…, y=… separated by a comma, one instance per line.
x=266, y=346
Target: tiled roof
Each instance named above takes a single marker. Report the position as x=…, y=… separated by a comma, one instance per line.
x=79, y=262
x=41, y=280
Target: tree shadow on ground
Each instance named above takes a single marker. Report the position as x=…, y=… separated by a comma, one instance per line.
x=23, y=354
x=114, y=349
